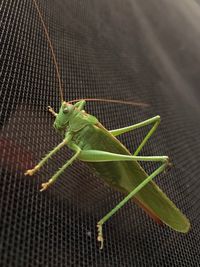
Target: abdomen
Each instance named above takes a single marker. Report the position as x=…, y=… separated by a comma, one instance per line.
x=123, y=175
x=127, y=175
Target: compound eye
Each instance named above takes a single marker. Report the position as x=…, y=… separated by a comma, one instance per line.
x=65, y=110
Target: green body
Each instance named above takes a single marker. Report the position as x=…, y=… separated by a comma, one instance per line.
x=127, y=175
x=99, y=148
x=92, y=143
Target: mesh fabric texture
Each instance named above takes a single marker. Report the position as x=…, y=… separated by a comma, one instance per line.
x=127, y=50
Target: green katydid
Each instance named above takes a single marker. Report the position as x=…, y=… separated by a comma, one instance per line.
x=100, y=148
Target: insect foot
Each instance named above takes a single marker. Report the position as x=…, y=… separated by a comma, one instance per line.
x=32, y=171
x=100, y=234
x=45, y=186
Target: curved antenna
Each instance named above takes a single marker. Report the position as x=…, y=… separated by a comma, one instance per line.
x=51, y=48
x=111, y=101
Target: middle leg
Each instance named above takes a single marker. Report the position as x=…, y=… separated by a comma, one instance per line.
x=61, y=170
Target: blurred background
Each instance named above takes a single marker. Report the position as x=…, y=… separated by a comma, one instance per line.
x=130, y=50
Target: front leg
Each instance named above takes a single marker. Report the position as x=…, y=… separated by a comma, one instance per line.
x=50, y=109
x=80, y=105
x=49, y=155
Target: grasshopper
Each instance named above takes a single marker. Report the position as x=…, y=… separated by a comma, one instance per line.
x=92, y=143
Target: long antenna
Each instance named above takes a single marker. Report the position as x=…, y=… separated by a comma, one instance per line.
x=112, y=101
x=51, y=48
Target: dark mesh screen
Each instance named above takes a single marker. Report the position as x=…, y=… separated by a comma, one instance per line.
x=133, y=50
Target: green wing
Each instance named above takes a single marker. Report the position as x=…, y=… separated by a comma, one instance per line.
x=125, y=176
